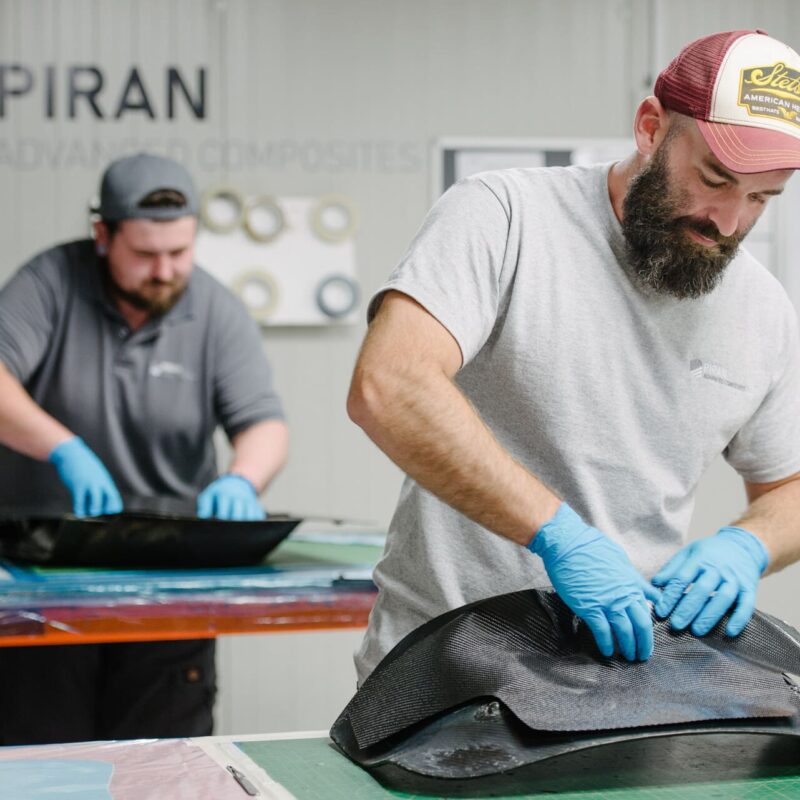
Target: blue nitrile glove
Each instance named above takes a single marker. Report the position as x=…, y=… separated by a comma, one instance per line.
x=230, y=496
x=724, y=570
x=92, y=488
x=595, y=578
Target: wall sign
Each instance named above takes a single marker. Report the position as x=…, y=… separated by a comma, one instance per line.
x=85, y=91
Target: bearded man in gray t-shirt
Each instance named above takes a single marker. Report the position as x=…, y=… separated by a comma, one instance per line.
x=563, y=352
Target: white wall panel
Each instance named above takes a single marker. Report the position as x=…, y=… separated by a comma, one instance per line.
x=284, y=681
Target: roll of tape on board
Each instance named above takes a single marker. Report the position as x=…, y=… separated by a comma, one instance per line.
x=337, y=296
x=212, y=213
x=259, y=291
x=255, y=212
x=334, y=218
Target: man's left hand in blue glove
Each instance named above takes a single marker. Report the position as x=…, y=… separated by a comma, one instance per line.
x=721, y=571
x=230, y=497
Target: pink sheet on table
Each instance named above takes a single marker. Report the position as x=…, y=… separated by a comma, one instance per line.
x=148, y=769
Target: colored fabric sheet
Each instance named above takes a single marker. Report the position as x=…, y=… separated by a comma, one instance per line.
x=329, y=570
x=165, y=769
x=46, y=779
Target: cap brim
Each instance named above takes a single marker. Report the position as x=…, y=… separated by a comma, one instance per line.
x=742, y=148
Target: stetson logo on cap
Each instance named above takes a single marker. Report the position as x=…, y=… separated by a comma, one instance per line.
x=771, y=91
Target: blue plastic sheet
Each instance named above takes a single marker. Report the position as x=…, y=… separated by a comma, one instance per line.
x=47, y=779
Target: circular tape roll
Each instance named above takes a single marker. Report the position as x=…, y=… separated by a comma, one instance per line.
x=257, y=282
x=217, y=195
x=337, y=295
x=270, y=205
x=331, y=204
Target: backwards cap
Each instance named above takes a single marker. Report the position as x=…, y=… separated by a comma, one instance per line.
x=127, y=181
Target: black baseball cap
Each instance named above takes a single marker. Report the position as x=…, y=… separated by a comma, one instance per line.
x=127, y=181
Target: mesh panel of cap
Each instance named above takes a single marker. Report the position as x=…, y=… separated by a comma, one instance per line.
x=687, y=84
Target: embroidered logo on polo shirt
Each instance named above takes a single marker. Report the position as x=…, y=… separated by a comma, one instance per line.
x=169, y=369
x=712, y=372
x=771, y=91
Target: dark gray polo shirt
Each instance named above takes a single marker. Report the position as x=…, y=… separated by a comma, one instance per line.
x=146, y=402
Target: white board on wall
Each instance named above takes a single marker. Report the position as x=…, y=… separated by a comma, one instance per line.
x=455, y=158
x=292, y=260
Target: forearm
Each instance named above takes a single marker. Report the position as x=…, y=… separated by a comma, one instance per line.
x=260, y=451
x=24, y=425
x=775, y=519
x=422, y=421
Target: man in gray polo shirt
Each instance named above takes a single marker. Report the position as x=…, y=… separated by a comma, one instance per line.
x=118, y=359
x=561, y=354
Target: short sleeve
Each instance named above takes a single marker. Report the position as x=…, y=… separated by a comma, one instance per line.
x=244, y=393
x=454, y=263
x=28, y=311
x=767, y=447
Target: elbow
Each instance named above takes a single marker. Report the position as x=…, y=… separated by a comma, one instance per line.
x=368, y=399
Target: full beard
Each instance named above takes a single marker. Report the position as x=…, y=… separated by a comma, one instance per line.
x=660, y=254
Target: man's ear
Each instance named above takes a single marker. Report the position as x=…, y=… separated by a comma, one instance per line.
x=101, y=238
x=650, y=126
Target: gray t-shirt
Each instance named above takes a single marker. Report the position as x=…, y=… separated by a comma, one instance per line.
x=147, y=402
x=617, y=399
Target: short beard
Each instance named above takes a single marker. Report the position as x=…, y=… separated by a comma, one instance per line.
x=660, y=254
x=157, y=305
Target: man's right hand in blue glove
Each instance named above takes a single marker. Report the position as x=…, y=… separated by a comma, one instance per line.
x=83, y=473
x=595, y=578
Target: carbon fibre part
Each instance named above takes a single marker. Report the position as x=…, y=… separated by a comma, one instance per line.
x=517, y=679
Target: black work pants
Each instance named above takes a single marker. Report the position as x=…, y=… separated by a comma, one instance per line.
x=74, y=693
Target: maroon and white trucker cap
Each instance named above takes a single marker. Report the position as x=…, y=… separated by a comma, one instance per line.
x=743, y=88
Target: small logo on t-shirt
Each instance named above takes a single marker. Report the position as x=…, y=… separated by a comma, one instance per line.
x=712, y=372
x=169, y=369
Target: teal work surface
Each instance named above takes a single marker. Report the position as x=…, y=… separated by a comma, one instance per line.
x=304, y=560
x=729, y=766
